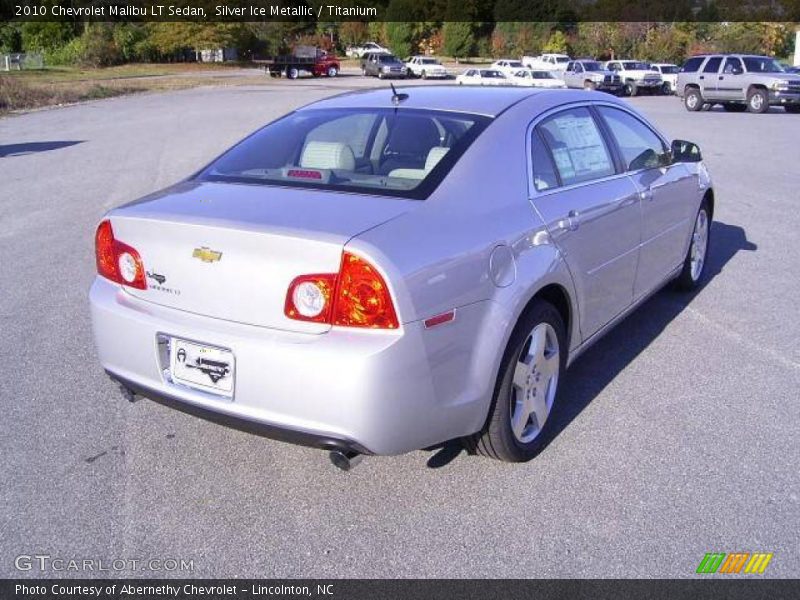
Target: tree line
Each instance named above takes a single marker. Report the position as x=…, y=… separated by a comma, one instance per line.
x=103, y=44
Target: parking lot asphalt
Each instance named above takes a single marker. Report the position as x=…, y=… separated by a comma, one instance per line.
x=678, y=434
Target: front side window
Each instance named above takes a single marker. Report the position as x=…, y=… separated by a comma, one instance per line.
x=385, y=152
x=640, y=146
x=712, y=66
x=732, y=64
x=592, y=66
x=578, y=149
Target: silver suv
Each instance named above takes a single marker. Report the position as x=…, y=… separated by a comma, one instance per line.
x=591, y=75
x=738, y=82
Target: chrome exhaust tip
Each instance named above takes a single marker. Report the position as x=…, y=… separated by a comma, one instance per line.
x=345, y=460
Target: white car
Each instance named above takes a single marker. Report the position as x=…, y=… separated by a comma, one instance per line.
x=482, y=77
x=636, y=76
x=507, y=66
x=426, y=67
x=669, y=73
x=547, y=62
x=360, y=51
x=541, y=79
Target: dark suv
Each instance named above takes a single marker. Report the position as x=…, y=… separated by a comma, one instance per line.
x=383, y=65
x=738, y=82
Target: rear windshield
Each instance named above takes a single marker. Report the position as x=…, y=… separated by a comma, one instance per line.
x=382, y=151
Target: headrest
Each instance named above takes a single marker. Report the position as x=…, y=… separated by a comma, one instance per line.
x=328, y=155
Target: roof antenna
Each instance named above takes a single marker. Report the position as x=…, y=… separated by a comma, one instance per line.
x=397, y=98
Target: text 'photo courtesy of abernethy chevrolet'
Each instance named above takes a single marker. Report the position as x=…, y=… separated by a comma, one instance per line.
x=386, y=270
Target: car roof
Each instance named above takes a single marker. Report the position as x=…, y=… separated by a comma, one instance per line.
x=477, y=100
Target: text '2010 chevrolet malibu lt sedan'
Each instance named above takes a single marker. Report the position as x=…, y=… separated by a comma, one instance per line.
x=380, y=272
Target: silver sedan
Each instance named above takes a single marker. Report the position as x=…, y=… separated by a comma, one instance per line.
x=383, y=271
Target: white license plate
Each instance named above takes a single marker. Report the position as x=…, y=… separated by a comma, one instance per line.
x=207, y=368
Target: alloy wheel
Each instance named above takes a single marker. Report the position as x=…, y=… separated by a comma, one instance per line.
x=699, y=244
x=535, y=383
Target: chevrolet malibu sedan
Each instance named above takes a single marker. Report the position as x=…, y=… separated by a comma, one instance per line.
x=383, y=271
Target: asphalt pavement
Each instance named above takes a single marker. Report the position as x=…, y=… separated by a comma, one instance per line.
x=679, y=433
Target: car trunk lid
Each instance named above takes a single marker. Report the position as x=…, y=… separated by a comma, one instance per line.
x=230, y=251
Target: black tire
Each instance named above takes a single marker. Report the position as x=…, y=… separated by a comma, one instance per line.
x=734, y=107
x=631, y=89
x=363, y=72
x=693, y=100
x=666, y=89
x=757, y=101
x=424, y=75
x=332, y=72
x=380, y=74
x=292, y=73
x=589, y=86
x=497, y=439
x=690, y=279
x=792, y=108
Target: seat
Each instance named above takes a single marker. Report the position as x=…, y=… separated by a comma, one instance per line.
x=435, y=154
x=328, y=155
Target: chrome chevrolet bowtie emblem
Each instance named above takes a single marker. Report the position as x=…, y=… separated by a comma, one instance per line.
x=206, y=254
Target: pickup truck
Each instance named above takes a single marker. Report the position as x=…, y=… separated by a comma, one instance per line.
x=590, y=75
x=547, y=62
x=636, y=77
x=304, y=59
x=738, y=82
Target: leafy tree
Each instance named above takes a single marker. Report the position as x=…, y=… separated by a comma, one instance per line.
x=557, y=43
x=458, y=39
x=399, y=36
x=10, y=37
x=39, y=35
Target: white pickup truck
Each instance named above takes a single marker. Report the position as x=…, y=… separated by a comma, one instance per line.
x=636, y=76
x=547, y=62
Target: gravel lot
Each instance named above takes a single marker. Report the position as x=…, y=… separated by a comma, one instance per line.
x=679, y=432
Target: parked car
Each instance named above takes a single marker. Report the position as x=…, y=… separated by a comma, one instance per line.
x=382, y=66
x=529, y=78
x=425, y=67
x=482, y=77
x=302, y=283
x=636, y=76
x=506, y=66
x=591, y=75
x=669, y=73
x=360, y=51
x=304, y=59
x=547, y=62
x=738, y=82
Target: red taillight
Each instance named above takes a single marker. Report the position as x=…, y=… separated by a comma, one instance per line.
x=117, y=261
x=309, y=298
x=362, y=297
x=357, y=296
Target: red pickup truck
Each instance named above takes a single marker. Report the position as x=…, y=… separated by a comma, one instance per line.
x=308, y=59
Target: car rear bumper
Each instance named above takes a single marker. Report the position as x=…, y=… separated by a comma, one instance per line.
x=374, y=392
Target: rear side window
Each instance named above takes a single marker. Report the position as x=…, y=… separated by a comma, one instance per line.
x=578, y=149
x=544, y=171
x=712, y=66
x=691, y=65
x=386, y=152
x=640, y=146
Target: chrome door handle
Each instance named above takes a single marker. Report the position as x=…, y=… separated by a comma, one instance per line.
x=569, y=224
x=646, y=195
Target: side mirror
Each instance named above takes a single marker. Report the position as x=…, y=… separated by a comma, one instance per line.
x=686, y=152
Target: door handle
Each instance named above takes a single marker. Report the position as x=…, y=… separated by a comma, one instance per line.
x=646, y=194
x=721, y=77
x=702, y=77
x=571, y=223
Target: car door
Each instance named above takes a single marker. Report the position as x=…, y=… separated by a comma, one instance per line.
x=666, y=190
x=730, y=81
x=591, y=210
x=707, y=79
